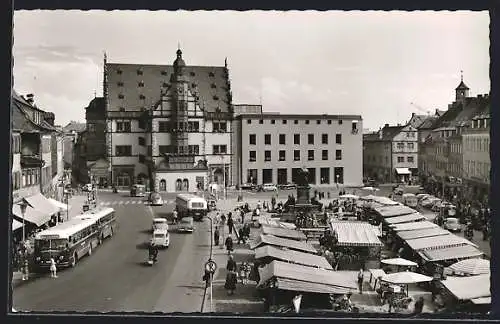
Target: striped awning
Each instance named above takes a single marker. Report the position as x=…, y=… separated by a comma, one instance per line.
x=403, y=171
x=451, y=253
x=355, y=234
x=437, y=242
x=405, y=219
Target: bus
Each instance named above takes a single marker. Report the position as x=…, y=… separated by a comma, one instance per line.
x=189, y=205
x=105, y=220
x=66, y=243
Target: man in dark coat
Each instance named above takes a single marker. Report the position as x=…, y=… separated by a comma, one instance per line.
x=231, y=264
x=230, y=223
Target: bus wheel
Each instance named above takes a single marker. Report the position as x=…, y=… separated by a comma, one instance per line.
x=73, y=262
x=90, y=249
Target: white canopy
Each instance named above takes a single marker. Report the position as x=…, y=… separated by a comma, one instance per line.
x=58, y=204
x=471, y=266
x=355, y=234
x=349, y=196
x=403, y=171
x=400, y=262
x=467, y=288
x=370, y=189
x=16, y=225
x=405, y=277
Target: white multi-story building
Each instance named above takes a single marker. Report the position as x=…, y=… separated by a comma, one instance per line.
x=168, y=126
x=272, y=148
x=405, y=153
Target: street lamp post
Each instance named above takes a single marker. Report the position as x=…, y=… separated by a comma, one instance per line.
x=66, y=197
x=24, y=204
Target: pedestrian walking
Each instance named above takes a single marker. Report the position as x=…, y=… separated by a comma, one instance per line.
x=242, y=216
x=174, y=215
x=241, y=235
x=206, y=277
x=216, y=236
x=231, y=280
x=53, y=268
x=229, y=244
x=360, y=280
x=485, y=232
x=230, y=223
x=243, y=272
x=231, y=264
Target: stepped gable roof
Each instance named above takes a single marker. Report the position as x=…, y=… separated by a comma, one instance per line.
x=210, y=83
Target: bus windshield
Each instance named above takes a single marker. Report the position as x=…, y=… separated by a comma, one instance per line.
x=54, y=244
x=198, y=205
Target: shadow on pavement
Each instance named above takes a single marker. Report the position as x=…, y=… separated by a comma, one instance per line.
x=192, y=287
x=145, y=231
x=142, y=246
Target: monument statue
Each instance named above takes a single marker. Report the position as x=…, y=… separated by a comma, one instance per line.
x=303, y=177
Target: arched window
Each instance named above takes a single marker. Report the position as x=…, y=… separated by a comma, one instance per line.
x=178, y=185
x=163, y=185
x=185, y=185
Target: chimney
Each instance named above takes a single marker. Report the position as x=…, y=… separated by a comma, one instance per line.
x=386, y=125
x=412, y=115
x=30, y=98
x=479, y=96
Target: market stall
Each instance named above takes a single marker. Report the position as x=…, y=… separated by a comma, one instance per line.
x=469, y=267
x=461, y=292
x=421, y=233
x=283, y=233
x=415, y=217
x=437, y=242
x=267, y=254
x=413, y=226
x=280, y=282
x=356, y=244
x=300, y=246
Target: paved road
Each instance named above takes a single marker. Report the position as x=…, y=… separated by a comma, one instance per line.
x=115, y=277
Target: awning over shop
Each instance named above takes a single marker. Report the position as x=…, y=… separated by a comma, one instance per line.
x=16, y=225
x=283, y=232
x=42, y=204
x=305, y=279
x=355, y=234
x=481, y=301
x=31, y=215
x=301, y=258
x=393, y=211
x=405, y=219
x=451, y=253
x=58, y=204
x=468, y=288
x=273, y=222
x=437, y=242
x=385, y=201
x=403, y=171
x=414, y=226
x=281, y=242
x=427, y=232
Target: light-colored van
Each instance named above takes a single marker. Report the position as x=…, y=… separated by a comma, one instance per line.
x=160, y=223
x=410, y=200
x=161, y=238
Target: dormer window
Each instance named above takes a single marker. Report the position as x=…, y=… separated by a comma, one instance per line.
x=119, y=72
x=211, y=74
x=213, y=86
x=307, y=122
x=192, y=73
x=141, y=84
x=216, y=98
x=139, y=72
x=120, y=84
x=121, y=109
x=163, y=72
x=142, y=97
x=121, y=96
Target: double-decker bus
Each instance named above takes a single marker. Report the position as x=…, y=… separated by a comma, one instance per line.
x=189, y=205
x=105, y=220
x=66, y=243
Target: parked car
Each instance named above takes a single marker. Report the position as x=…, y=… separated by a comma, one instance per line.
x=155, y=199
x=186, y=225
x=452, y=224
x=428, y=202
x=247, y=186
x=269, y=187
x=211, y=204
x=422, y=196
x=398, y=191
x=436, y=206
x=288, y=186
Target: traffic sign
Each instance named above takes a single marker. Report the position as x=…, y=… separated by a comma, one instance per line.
x=211, y=266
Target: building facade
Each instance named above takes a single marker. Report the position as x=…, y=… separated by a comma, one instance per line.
x=448, y=156
x=168, y=126
x=272, y=148
x=405, y=154
x=476, y=157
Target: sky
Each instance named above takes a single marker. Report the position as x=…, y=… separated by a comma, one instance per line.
x=381, y=65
